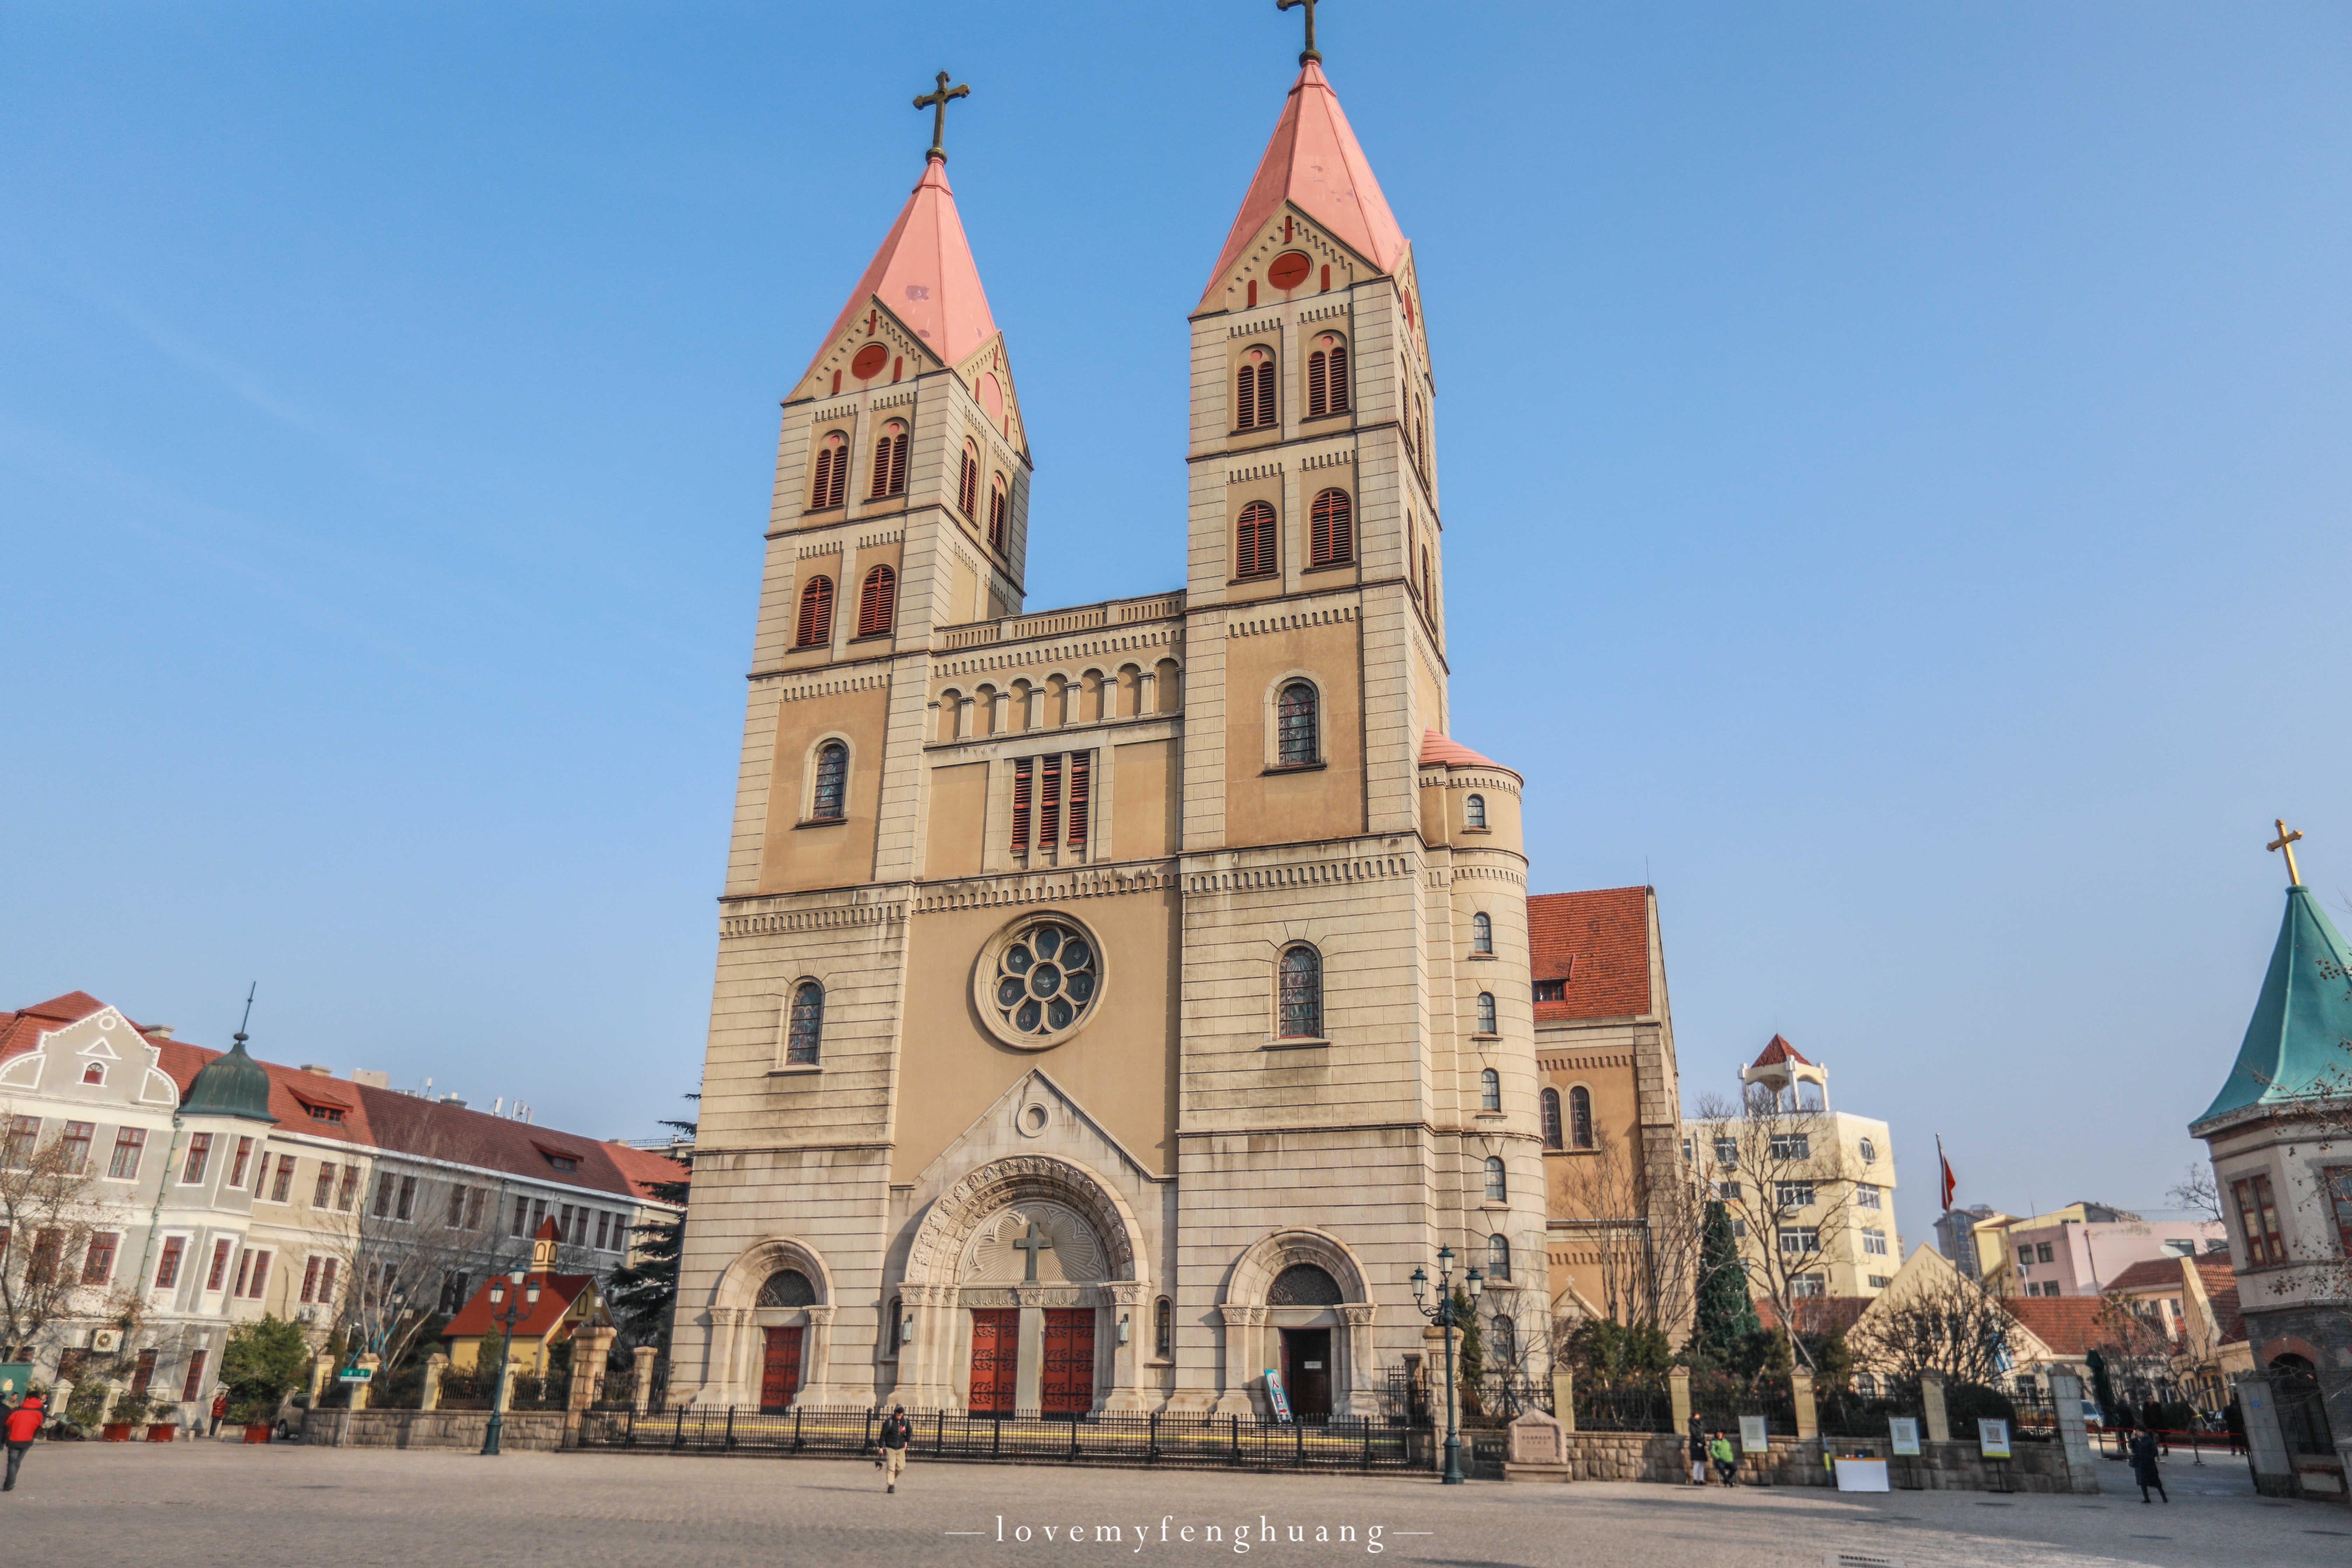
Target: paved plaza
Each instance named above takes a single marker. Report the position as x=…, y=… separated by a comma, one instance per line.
x=329, y=1506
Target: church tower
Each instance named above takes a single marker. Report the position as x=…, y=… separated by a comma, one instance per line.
x=1115, y=1004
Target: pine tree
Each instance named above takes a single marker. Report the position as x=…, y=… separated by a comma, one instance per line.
x=1726, y=1318
x=643, y=1294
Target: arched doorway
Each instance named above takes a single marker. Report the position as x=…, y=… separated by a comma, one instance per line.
x=1297, y=1305
x=772, y=1329
x=782, y=1343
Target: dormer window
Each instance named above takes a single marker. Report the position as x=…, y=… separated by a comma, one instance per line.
x=560, y=1159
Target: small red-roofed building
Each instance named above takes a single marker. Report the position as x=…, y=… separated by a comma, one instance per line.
x=554, y=1306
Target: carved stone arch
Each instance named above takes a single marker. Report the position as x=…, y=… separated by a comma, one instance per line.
x=1254, y=1272
x=946, y=1226
x=740, y=1281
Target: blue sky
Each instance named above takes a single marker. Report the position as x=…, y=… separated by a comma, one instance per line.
x=1894, y=467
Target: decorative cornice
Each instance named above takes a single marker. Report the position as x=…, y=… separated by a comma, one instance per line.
x=1299, y=874
x=875, y=540
x=828, y=916
x=1335, y=615
x=830, y=688
x=1017, y=890
x=999, y=657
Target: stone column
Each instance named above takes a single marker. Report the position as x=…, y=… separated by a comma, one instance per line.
x=319, y=1367
x=1563, y=1397
x=1679, y=1395
x=1029, y=1361
x=726, y=1352
x=642, y=1397
x=1931, y=1402
x=1362, y=1394
x=1808, y=1421
x=926, y=1355
x=1127, y=1307
x=435, y=1365
x=2066, y=1395
x=816, y=1357
x=1147, y=699
x=589, y=1348
x=1240, y=1347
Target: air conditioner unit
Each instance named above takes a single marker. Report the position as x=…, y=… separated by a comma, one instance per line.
x=106, y=1341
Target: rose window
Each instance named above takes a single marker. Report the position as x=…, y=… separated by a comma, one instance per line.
x=1046, y=977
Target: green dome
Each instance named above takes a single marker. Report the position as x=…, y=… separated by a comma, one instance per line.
x=232, y=1085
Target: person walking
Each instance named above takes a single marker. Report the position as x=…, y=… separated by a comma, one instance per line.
x=1698, y=1451
x=898, y=1432
x=1727, y=1463
x=2143, y=1463
x=220, y=1411
x=23, y=1426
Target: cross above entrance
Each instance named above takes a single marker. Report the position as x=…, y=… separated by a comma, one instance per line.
x=2284, y=844
x=1035, y=1242
x=936, y=102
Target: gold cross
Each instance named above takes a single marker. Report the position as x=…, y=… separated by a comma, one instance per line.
x=2285, y=843
x=936, y=102
x=1308, y=53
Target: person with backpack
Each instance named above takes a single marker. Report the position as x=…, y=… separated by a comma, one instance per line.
x=24, y=1425
x=1727, y=1463
x=898, y=1432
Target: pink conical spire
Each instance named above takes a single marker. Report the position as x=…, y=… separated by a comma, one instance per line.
x=1314, y=162
x=925, y=274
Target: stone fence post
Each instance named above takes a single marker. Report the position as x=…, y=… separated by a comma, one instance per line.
x=1678, y=1392
x=642, y=1395
x=2066, y=1395
x=434, y=1365
x=1808, y=1420
x=372, y=1364
x=319, y=1367
x=589, y=1348
x=1931, y=1401
x=1563, y=1398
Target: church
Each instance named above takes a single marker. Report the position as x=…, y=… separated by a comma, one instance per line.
x=1117, y=1005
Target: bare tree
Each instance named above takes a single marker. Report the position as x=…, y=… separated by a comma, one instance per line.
x=412, y=1248
x=2197, y=1193
x=1777, y=1169
x=1645, y=1243
x=2138, y=1351
x=1954, y=1327
x=60, y=1239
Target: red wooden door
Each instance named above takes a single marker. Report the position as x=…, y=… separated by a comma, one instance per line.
x=779, y=1378
x=995, y=1358
x=1067, y=1386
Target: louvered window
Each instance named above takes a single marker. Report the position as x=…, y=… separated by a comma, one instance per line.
x=1024, y=787
x=1327, y=380
x=1051, y=795
x=816, y=614
x=968, y=487
x=890, y=461
x=1253, y=541
x=878, y=601
x=1049, y=802
x=825, y=798
x=1302, y=993
x=996, y=518
x=1254, y=390
x=1294, y=724
x=1081, y=788
x=1334, y=529
x=832, y=486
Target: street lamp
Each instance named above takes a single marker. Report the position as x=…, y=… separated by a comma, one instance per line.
x=517, y=1301
x=1445, y=1317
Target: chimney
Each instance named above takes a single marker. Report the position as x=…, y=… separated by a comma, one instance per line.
x=370, y=1077
x=322, y=1071
x=159, y=1031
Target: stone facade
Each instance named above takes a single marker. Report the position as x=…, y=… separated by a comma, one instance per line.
x=1163, y=1150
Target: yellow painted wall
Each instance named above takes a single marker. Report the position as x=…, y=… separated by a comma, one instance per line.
x=955, y=835
x=1286, y=808
x=1145, y=798
x=836, y=854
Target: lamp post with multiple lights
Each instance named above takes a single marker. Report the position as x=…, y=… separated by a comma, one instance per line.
x=1445, y=1315
x=517, y=1297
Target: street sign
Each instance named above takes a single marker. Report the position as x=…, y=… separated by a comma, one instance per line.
x=1274, y=1392
x=354, y=1374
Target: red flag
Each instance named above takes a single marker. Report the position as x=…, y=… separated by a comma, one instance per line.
x=1948, y=1183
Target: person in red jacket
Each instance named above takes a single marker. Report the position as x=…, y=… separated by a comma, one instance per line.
x=220, y=1409
x=24, y=1425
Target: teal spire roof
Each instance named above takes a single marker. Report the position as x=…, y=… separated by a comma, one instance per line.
x=232, y=1085
x=2299, y=1042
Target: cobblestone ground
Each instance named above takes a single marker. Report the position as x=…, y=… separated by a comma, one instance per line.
x=206, y=1502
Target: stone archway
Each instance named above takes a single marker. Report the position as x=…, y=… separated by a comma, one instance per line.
x=964, y=1259
x=1252, y=1320
x=739, y=1320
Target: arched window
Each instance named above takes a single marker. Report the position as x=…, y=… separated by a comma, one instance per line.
x=878, y=601
x=1580, y=1117
x=1253, y=541
x=787, y=1287
x=1302, y=993
x=1294, y=726
x=1326, y=377
x=1498, y=1266
x=1487, y=1013
x=831, y=486
x=996, y=515
x=968, y=485
x=897, y=1322
x=1497, y=1189
x=1502, y=1334
x=1163, y=1328
x=805, y=1031
x=816, y=614
x=1474, y=812
x=1304, y=1285
x=1482, y=934
x=890, y=461
x=1254, y=390
x=832, y=783
x=1551, y=1119
x=1334, y=529
x=1490, y=1090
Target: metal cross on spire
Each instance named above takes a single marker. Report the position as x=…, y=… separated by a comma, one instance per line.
x=936, y=102
x=2284, y=844
x=1310, y=52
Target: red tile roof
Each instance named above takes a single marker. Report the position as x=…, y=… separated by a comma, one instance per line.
x=1599, y=943
x=383, y=1118
x=1436, y=748
x=1779, y=1050
x=2148, y=1274
x=2069, y=1325
x=556, y=1294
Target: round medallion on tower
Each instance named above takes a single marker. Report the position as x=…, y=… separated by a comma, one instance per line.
x=1037, y=982
x=1289, y=270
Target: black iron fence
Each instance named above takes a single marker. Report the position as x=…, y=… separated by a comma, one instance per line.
x=1155, y=1439
x=1626, y=1406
